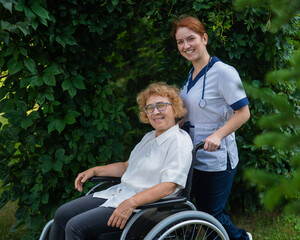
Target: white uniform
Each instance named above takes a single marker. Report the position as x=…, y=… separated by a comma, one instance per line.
x=223, y=94
x=154, y=160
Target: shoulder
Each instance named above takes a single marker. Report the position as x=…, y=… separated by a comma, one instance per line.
x=225, y=68
x=183, y=140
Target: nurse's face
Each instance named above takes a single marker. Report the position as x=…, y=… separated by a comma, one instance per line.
x=161, y=121
x=190, y=44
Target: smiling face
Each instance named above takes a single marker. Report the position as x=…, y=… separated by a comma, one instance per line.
x=191, y=45
x=161, y=121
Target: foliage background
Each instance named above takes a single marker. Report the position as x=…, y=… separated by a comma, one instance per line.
x=70, y=71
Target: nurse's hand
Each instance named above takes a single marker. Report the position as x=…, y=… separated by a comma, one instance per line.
x=212, y=143
x=121, y=214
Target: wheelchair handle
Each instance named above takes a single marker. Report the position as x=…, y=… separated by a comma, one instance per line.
x=200, y=146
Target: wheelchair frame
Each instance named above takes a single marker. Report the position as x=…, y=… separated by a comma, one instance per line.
x=170, y=218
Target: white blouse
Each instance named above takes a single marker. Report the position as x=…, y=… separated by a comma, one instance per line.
x=154, y=160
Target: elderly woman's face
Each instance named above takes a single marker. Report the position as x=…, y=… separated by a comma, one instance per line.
x=162, y=120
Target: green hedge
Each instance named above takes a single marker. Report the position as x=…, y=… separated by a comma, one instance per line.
x=70, y=72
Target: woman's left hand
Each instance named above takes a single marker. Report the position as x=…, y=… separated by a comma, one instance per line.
x=121, y=214
x=212, y=143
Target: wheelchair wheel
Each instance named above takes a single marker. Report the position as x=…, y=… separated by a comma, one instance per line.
x=188, y=225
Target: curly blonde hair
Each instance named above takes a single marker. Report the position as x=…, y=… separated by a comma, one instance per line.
x=164, y=90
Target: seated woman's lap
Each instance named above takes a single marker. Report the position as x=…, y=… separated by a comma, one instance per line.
x=82, y=216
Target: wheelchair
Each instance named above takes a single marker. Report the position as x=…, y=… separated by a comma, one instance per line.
x=168, y=218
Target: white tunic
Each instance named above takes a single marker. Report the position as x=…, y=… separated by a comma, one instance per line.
x=223, y=95
x=154, y=160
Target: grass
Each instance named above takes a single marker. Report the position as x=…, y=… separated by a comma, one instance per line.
x=262, y=225
x=269, y=226
x=7, y=220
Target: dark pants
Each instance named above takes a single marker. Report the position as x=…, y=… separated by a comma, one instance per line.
x=211, y=191
x=82, y=218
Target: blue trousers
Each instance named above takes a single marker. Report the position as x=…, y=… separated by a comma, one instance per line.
x=211, y=191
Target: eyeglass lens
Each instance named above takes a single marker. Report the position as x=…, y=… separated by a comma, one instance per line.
x=159, y=106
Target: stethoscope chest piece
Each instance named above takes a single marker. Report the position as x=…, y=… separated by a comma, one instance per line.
x=202, y=103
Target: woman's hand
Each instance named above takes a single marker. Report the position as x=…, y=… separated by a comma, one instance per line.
x=212, y=143
x=121, y=214
x=82, y=177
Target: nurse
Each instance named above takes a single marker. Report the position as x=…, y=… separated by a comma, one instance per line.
x=217, y=106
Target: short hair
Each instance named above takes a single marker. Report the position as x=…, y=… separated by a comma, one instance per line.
x=164, y=90
x=190, y=22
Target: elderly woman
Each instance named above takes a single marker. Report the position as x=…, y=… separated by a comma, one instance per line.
x=157, y=168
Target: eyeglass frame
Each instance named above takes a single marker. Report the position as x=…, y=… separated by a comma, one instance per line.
x=155, y=106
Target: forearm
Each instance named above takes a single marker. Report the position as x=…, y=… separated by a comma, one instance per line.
x=153, y=194
x=111, y=170
x=235, y=122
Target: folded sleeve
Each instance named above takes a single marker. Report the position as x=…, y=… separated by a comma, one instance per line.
x=231, y=88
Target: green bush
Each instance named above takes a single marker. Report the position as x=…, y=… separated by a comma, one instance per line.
x=70, y=72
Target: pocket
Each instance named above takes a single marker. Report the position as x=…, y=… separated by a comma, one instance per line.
x=210, y=160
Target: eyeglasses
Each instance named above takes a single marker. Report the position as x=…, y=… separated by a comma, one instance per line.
x=161, y=106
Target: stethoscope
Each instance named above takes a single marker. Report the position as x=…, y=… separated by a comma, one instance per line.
x=202, y=103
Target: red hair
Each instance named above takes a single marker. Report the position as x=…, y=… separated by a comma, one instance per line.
x=190, y=22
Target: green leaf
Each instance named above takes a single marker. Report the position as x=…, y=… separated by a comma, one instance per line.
x=72, y=91
x=60, y=154
x=36, y=81
x=14, y=66
x=53, y=69
x=70, y=118
x=45, y=198
x=60, y=125
x=66, y=84
x=40, y=11
x=23, y=51
x=29, y=13
x=30, y=65
x=25, y=123
x=7, y=4
x=78, y=82
x=57, y=165
x=46, y=163
x=115, y=2
x=49, y=79
x=40, y=98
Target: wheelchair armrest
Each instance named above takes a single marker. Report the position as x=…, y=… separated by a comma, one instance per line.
x=105, y=179
x=164, y=202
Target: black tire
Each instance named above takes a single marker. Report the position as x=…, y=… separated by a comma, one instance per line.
x=188, y=225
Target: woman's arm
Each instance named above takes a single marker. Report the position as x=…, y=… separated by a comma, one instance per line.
x=240, y=116
x=125, y=209
x=110, y=170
